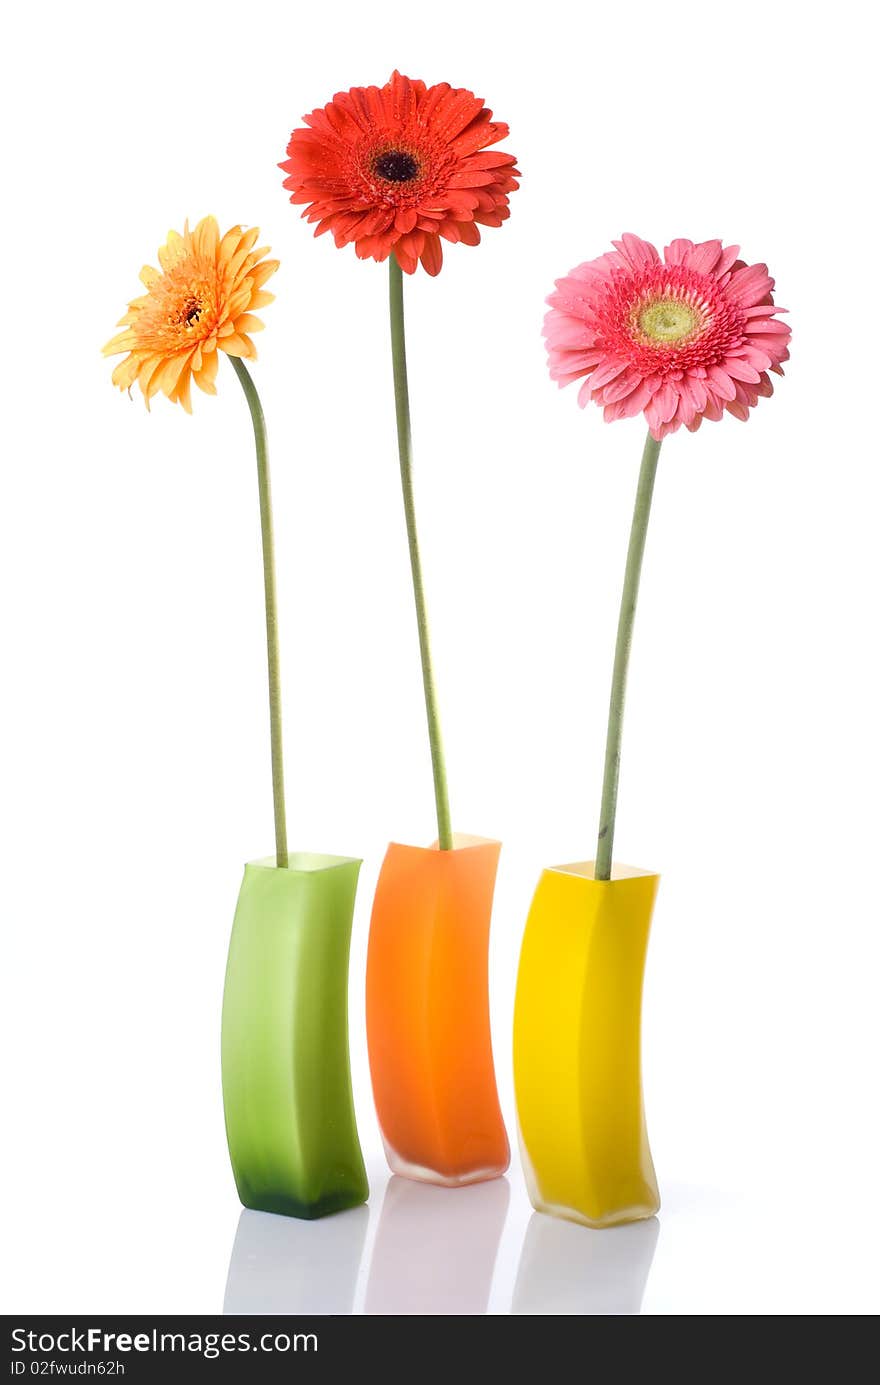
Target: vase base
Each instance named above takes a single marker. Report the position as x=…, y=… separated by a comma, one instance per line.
x=421, y=1174
x=619, y=1217
x=283, y=1205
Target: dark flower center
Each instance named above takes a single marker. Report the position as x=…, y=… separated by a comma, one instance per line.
x=396, y=166
x=192, y=311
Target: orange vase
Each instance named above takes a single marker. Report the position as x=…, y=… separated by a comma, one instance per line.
x=428, y=1013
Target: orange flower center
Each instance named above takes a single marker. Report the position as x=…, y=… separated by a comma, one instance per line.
x=184, y=308
x=190, y=311
x=396, y=166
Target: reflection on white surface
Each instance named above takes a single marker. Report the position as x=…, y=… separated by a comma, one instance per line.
x=435, y=1248
x=283, y=1265
x=567, y=1269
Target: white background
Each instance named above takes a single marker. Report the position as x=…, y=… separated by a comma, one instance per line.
x=135, y=771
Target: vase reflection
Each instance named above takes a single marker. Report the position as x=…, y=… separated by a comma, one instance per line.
x=566, y=1269
x=435, y=1248
x=282, y=1265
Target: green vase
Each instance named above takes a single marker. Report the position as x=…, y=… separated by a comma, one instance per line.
x=290, y=1121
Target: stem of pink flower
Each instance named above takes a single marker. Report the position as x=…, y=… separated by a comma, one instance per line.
x=404, y=447
x=638, y=533
x=269, y=588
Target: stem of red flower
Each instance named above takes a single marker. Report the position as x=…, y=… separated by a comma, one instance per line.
x=260, y=440
x=638, y=533
x=404, y=447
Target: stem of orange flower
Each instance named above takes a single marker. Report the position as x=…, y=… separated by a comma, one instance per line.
x=638, y=534
x=404, y=447
x=260, y=440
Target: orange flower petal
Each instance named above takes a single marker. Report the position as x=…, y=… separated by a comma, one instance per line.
x=246, y=322
x=172, y=251
x=261, y=272
x=238, y=346
x=124, y=342
x=168, y=375
x=125, y=373
x=238, y=301
x=206, y=237
x=207, y=375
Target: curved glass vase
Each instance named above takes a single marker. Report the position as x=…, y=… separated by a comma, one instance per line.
x=428, y=1013
x=287, y=1098
x=577, y=1046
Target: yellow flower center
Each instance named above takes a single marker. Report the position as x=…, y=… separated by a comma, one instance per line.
x=667, y=319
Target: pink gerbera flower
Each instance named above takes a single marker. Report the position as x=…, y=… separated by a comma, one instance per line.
x=394, y=169
x=678, y=339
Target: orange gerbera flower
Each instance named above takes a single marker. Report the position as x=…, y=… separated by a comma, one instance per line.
x=200, y=301
x=397, y=167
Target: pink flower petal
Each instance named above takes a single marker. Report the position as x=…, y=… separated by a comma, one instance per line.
x=739, y=369
x=749, y=285
x=726, y=260
x=677, y=251
x=704, y=257
x=638, y=253
x=607, y=370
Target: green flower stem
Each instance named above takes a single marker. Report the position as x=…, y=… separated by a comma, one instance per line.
x=404, y=447
x=259, y=422
x=638, y=533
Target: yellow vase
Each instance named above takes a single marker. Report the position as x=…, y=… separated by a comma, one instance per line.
x=577, y=1046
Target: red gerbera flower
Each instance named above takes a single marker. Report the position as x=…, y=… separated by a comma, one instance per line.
x=397, y=167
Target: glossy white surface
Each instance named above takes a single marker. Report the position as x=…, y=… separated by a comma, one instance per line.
x=146, y=1246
